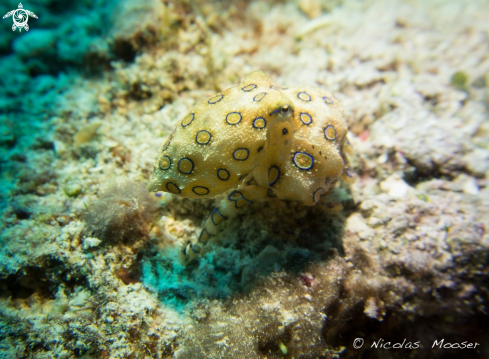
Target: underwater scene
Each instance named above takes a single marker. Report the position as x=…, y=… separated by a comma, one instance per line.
x=298, y=179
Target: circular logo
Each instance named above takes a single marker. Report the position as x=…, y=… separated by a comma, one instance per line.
x=358, y=343
x=20, y=17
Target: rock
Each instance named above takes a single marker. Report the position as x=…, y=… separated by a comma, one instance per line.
x=477, y=161
x=73, y=189
x=395, y=186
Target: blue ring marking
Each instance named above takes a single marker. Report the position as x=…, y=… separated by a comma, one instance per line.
x=242, y=177
x=271, y=113
x=222, y=177
x=298, y=166
x=236, y=199
x=193, y=116
x=203, y=143
x=308, y=98
x=244, y=159
x=246, y=89
x=260, y=148
x=200, y=194
x=259, y=97
x=276, y=179
x=328, y=100
x=169, y=164
x=169, y=190
x=306, y=115
x=326, y=130
x=215, y=101
x=233, y=194
x=167, y=143
x=214, y=211
x=231, y=113
x=185, y=249
x=329, y=181
x=259, y=118
x=195, y=248
x=188, y=159
x=202, y=233
x=252, y=182
x=315, y=193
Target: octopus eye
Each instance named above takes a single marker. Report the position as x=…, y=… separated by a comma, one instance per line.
x=285, y=110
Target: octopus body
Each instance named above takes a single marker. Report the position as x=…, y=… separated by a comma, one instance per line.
x=252, y=142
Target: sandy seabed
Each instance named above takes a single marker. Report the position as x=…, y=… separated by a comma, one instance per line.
x=90, y=262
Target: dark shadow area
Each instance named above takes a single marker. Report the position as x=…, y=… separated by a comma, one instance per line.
x=400, y=335
x=265, y=238
x=124, y=50
x=417, y=175
x=431, y=324
x=43, y=280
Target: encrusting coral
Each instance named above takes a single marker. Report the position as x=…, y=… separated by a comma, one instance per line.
x=259, y=141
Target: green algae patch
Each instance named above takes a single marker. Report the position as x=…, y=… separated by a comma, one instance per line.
x=73, y=189
x=459, y=79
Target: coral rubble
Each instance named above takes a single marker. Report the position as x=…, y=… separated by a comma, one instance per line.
x=89, y=259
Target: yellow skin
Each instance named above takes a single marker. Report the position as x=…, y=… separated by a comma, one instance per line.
x=255, y=141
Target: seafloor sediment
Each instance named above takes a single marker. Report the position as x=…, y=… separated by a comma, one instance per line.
x=90, y=263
